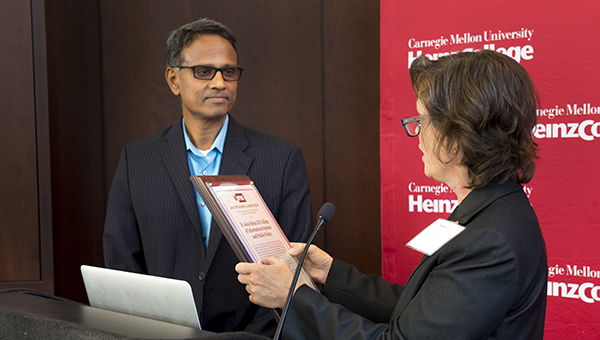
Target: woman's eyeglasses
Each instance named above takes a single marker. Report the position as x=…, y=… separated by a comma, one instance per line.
x=412, y=125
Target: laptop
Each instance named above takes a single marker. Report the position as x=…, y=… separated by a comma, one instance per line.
x=148, y=296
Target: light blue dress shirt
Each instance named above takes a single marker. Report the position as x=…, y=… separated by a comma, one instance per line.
x=201, y=165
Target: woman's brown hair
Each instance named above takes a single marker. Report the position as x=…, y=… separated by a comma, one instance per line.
x=483, y=103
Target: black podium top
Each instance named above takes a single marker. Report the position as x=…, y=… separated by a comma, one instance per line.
x=32, y=315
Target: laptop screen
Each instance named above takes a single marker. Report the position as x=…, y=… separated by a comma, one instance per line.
x=149, y=296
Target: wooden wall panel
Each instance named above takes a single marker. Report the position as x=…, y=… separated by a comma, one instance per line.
x=351, y=138
x=76, y=140
x=25, y=199
x=282, y=90
x=19, y=231
x=42, y=126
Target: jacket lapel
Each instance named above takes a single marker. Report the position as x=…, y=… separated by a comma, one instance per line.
x=233, y=162
x=174, y=156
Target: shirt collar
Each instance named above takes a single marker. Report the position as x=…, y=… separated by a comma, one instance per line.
x=217, y=144
x=478, y=199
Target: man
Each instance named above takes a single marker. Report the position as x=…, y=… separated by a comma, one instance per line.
x=156, y=222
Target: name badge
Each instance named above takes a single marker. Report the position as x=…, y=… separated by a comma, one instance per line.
x=435, y=236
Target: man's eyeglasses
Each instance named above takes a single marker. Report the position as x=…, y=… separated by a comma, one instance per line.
x=412, y=125
x=208, y=72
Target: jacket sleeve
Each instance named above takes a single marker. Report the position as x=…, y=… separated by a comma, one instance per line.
x=294, y=213
x=121, y=240
x=369, y=296
x=465, y=296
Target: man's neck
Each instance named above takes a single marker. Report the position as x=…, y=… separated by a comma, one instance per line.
x=203, y=132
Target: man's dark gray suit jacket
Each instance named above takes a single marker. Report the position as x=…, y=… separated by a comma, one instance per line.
x=153, y=226
x=489, y=282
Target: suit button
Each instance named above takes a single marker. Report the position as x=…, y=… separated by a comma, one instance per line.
x=201, y=276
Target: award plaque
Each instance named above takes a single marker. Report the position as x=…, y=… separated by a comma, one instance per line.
x=245, y=220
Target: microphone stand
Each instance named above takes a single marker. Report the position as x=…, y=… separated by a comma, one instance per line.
x=327, y=209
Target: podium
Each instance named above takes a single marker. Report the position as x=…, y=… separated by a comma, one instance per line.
x=27, y=314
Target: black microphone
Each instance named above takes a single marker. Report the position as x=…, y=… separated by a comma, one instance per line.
x=324, y=215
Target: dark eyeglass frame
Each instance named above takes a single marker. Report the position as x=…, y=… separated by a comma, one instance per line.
x=409, y=120
x=215, y=70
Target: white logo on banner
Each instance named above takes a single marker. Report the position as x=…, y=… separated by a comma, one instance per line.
x=587, y=130
x=517, y=52
x=417, y=203
x=587, y=292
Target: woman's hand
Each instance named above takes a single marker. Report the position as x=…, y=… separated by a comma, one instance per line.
x=317, y=262
x=268, y=282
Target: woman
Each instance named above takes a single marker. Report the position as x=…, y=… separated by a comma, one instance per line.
x=476, y=117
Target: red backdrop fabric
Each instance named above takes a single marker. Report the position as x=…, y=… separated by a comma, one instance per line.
x=557, y=43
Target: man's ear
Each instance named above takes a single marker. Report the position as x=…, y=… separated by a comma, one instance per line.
x=172, y=78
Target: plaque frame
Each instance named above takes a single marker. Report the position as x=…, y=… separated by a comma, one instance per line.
x=212, y=189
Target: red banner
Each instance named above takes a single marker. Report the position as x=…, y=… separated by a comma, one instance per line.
x=557, y=43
